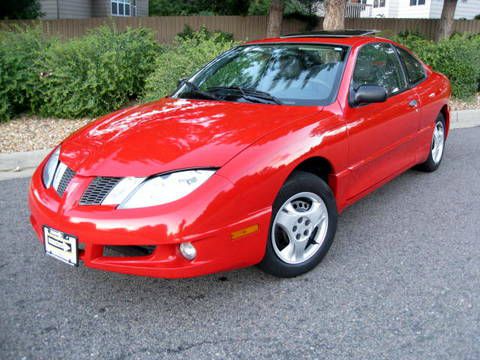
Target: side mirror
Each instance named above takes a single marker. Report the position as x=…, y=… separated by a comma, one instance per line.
x=367, y=94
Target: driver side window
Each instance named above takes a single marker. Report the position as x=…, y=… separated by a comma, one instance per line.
x=378, y=64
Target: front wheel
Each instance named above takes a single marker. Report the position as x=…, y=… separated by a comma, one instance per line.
x=437, y=147
x=304, y=221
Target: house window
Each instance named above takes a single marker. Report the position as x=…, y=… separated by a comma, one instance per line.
x=123, y=8
x=378, y=3
x=417, y=2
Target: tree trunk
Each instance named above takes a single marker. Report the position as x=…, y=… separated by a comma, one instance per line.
x=275, y=16
x=334, y=15
x=445, y=26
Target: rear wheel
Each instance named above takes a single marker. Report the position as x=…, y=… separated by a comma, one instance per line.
x=437, y=147
x=303, y=226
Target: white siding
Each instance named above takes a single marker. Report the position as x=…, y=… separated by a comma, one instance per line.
x=466, y=9
x=142, y=8
x=405, y=10
x=49, y=9
x=380, y=11
x=432, y=9
x=82, y=9
x=101, y=8
x=75, y=9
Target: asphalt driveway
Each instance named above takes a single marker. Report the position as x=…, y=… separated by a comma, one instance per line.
x=402, y=281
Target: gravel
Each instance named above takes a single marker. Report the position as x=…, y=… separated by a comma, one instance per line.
x=472, y=104
x=401, y=281
x=34, y=133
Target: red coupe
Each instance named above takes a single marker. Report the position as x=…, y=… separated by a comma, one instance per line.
x=248, y=162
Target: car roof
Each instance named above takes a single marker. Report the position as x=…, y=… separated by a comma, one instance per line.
x=330, y=33
x=345, y=37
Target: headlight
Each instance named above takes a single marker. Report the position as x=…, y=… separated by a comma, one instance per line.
x=50, y=168
x=162, y=189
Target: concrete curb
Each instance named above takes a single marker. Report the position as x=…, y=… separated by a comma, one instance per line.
x=465, y=119
x=20, y=164
x=23, y=164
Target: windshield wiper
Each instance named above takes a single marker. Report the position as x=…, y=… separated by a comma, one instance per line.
x=249, y=94
x=194, y=89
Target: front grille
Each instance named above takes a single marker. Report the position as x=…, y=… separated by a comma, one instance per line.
x=61, y=179
x=98, y=190
x=64, y=181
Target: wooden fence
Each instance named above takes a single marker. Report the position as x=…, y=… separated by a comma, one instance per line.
x=242, y=27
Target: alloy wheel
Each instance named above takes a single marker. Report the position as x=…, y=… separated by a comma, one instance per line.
x=438, y=142
x=300, y=227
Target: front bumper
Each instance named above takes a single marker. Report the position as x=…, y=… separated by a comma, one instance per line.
x=207, y=218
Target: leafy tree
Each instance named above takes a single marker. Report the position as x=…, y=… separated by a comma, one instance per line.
x=227, y=7
x=445, y=29
x=303, y=7
x=190, y=7
x=20, y=9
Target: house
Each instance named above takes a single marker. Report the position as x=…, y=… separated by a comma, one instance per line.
x=82, y=9
x=424, y=9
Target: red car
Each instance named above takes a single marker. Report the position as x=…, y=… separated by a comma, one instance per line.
x=248, y=162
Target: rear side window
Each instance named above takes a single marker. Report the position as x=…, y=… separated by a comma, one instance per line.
x=378, y=64
x=414, y=69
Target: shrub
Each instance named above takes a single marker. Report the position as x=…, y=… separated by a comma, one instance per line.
x=457, y=58
x=19, y=50
x=181, y=60
x=95, y=74
x=220, y=36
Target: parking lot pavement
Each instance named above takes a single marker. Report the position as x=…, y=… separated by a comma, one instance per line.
x=402, y=281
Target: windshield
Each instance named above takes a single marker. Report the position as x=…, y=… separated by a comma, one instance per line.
x=291, y=74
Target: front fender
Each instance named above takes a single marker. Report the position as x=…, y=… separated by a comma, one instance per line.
x=266, y=164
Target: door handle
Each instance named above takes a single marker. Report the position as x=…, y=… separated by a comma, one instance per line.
x=413, y=103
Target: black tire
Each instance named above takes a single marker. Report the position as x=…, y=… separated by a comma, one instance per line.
x=301, y=182
x=430, y=164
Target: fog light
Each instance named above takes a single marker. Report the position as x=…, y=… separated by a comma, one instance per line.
x=188, y=251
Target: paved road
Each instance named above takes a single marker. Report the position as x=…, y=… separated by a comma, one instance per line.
x=402, y=281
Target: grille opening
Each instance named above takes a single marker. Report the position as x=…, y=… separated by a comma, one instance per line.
x=128, y=250
x=66, y=176
x=98, y=190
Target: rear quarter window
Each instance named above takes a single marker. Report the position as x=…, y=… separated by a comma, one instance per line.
x=413, y=68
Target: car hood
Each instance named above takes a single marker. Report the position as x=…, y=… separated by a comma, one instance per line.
x=172, y=134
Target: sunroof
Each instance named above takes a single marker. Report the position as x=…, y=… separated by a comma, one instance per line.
x=339, y=33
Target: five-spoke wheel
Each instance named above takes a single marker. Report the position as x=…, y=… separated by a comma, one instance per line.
x=437, y=146
x=304, y=221
x=438, y=141
x=300, y=227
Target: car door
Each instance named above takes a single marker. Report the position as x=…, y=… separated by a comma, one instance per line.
x=381, y=135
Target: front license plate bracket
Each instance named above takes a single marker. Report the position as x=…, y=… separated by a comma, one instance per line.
x=61, y=246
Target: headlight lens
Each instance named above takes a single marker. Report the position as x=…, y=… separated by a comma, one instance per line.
x=163, y=188
x=50, y=168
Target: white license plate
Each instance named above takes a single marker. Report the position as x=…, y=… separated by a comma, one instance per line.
x=61, y=246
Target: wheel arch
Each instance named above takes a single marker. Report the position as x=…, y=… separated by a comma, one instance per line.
x=319, y=166
x=446, y=114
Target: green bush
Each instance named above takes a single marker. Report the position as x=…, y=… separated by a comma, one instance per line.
x=457, y=58
x=95, y=74
x=182, y=59
x=220, y=36
x=19, y=50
